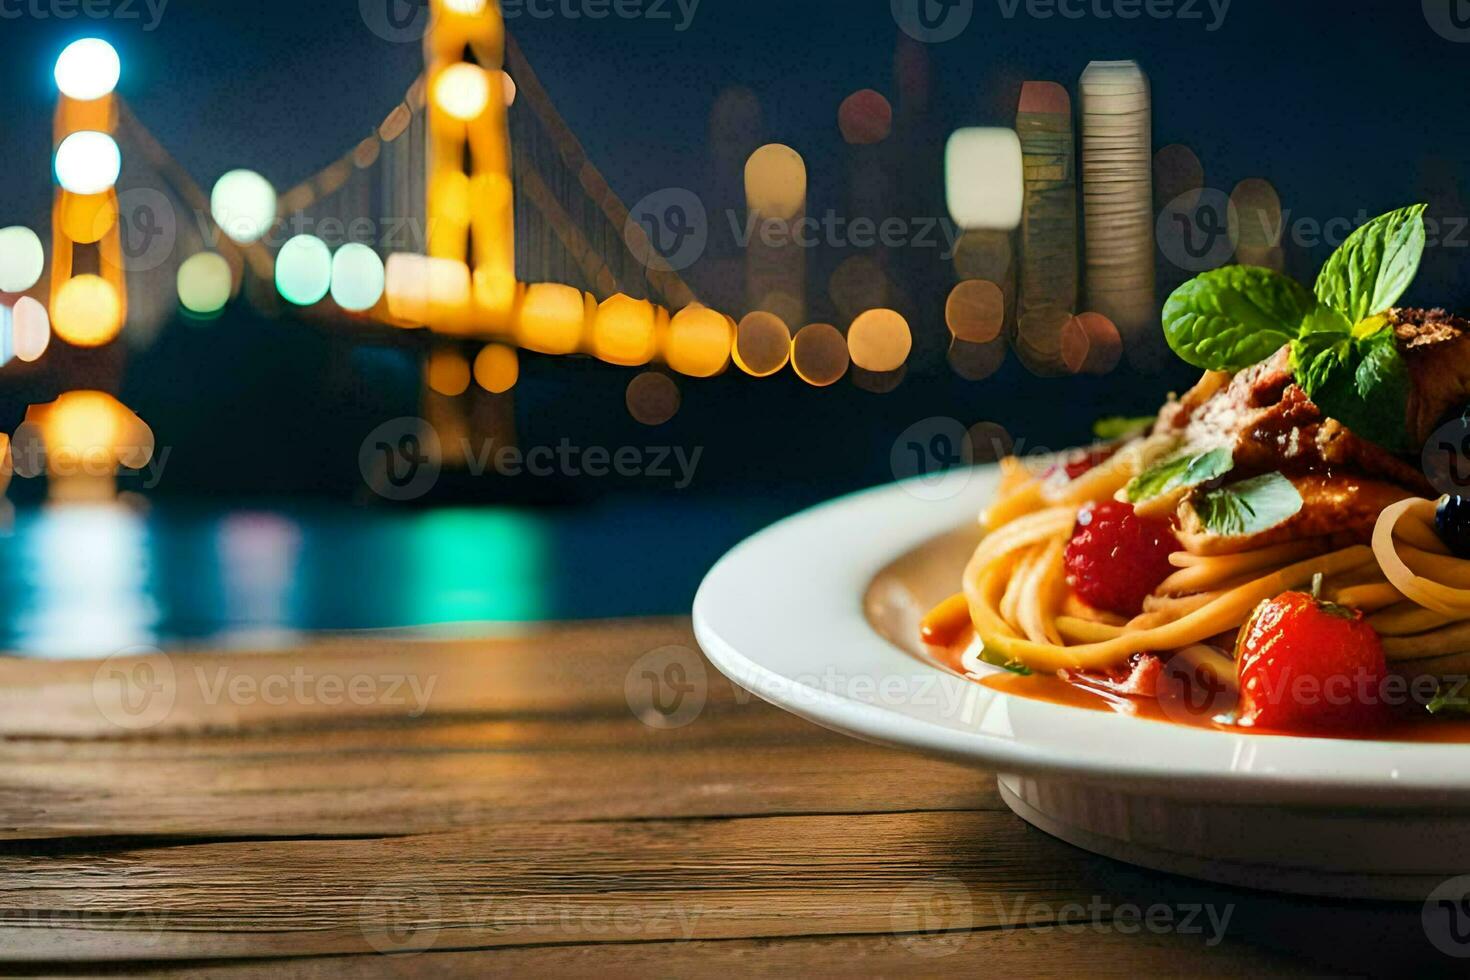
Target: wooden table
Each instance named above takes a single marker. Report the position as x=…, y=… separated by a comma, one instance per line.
x=584, y=799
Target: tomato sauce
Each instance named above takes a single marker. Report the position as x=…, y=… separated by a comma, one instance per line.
x=1181, y=703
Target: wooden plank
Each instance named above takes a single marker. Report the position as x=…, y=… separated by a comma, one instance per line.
x=1000, y=953
x=369, y=678
x=406, y=780
x=933, y=883
x=537, y=884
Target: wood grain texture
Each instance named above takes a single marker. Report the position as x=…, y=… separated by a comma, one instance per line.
x=539, y=815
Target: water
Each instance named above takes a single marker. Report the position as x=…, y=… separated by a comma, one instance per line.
x=93, y=580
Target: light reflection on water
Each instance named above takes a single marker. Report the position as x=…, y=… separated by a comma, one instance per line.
x=89, y=581
x=87, y=568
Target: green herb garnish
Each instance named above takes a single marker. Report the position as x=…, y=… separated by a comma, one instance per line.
x=1450, y=698
x=1228, y=319
x=1180, y=473
x=1359, y=379
x=1004, y=663
x=1248, y=507
x=1118, y=427
x=1375, y=266
x=1343, y=351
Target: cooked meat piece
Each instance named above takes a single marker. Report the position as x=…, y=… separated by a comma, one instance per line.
x=1273, y=427
x=1345, y=508
x=1436, y=347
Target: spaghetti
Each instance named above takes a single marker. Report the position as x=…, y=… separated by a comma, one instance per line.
x=1017, y=598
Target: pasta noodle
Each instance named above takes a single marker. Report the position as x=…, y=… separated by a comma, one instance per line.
x=1015, y=593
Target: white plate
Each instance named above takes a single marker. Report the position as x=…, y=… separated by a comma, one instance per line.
x=798, y=615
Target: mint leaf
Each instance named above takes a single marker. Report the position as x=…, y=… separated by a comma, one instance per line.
x=1249, y=507
x=1228, y=319
x=1360, y=381
x=1181, y=472
x=1376, y=264
x=1117, y=428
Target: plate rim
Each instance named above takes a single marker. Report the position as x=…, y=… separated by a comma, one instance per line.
x=735, y=626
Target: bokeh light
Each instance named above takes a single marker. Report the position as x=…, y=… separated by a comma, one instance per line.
x=88, y=162
x=88, y=69
x=879, y=341
x=358, y=278
x=976, y=362
x=551, y=318
x=623, y=332
x=975, y=311
x=463, y=91
x=304, y=270
x=865, y=117
x=22, y=259
x=204, y=283
x=1091, y=344
x=699, y=342
x=497, y=368
x=31, y=327
x=762, y=344
x=509, y=84
x=87, y=312
x=653, y=398
x=991, y=442
x=983, y=178
x=421, y=288
x=1177, y=171
x=775, y=182
x=1257, y=214
x=85, y=218
x=819, y=354
x=448, y=372
x=7, y=338
x=84, y=420
x=243, y=204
